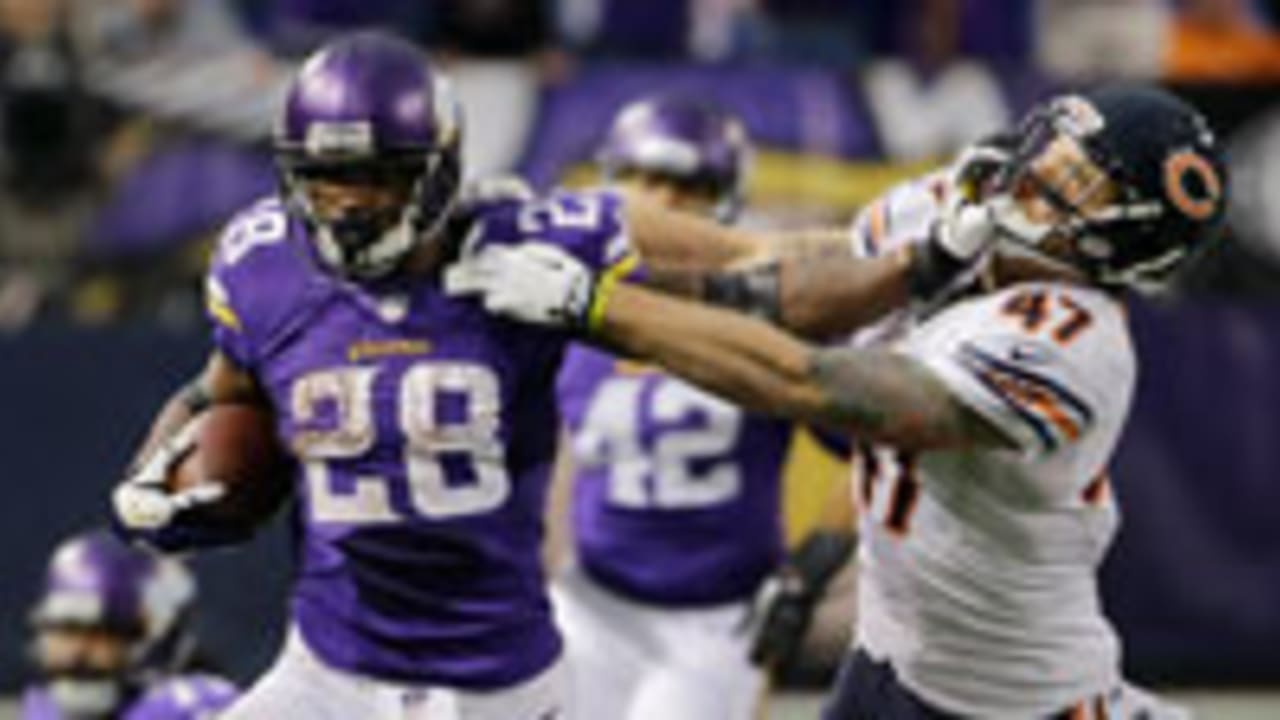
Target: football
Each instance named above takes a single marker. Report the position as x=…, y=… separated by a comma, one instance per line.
x=236, y=447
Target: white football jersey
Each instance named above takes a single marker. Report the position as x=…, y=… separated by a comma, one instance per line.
x=978, y=567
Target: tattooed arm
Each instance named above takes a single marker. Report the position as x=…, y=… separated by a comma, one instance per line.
x=893, y=398
x=808, y=281
x=880, y=395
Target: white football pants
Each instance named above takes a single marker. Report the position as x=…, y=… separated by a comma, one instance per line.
x=632, y=661
x=300, y=686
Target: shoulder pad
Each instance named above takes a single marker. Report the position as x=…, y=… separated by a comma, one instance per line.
x=586, y=224
x=256, y=279
x=1038, y=359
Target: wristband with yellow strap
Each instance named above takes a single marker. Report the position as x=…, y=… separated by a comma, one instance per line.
x=604, y=289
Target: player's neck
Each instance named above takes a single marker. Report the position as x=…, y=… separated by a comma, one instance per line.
x=1006, y=270
x=427, y=258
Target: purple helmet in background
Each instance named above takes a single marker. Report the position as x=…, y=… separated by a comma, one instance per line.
x=689, y=142
x=368, y=109
x=96, y=584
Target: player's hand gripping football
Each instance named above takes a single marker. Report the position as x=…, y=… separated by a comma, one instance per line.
x=533, y=283
x=143, y=500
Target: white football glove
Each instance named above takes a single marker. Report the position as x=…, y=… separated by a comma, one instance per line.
x=966, y=231
x=534, y=283
x=971, y=172
x=142, y=501
x=966, y=228
x=955, y=251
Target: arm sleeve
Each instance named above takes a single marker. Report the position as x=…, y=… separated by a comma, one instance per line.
x=229, y=334
x=254, y=281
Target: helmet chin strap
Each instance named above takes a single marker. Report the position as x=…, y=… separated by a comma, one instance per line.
x=1149, y=278
x=373, y=260
x=1013, y=223
x=370, y=261
x=1020, y=237
x=381, y=256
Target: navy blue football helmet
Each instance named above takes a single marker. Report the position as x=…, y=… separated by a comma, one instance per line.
x=688, y=142
x=95, y=587
x=367, y=109
x=1155, y=159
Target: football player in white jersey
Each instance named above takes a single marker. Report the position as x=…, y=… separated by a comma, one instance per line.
x=988, y=422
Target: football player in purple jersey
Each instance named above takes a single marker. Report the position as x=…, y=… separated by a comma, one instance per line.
x=676, y=494
x=422, y=426
x=113, y=635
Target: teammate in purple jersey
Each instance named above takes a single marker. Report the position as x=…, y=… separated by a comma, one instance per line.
x=112, y=633
x=423, y=427
x=676, y=507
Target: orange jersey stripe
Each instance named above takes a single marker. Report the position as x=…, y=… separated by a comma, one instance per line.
x=1036, y=401
x=878, y=227
x=1051, y=409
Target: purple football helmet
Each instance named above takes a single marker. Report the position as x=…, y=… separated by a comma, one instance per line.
x=95, y=585
x=368, y=110
x=689, y=142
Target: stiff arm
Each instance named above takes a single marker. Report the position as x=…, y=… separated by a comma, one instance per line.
x=879, y=395
x=821, y=288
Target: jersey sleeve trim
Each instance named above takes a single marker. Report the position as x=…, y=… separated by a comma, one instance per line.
x=1056, y=415
x=219, y=306
x=878, y=228
x=872, y=231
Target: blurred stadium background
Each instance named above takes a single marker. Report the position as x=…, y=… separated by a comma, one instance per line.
x=129, y=129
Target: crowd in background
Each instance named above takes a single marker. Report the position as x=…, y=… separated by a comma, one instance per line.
x=130, y=129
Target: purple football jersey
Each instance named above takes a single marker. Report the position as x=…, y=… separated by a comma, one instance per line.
x=676, y=492
x=425, y=430
x=184, y=697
